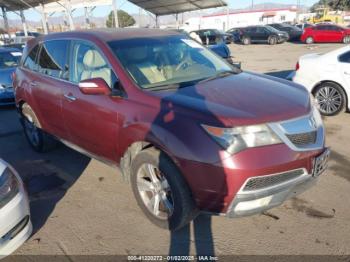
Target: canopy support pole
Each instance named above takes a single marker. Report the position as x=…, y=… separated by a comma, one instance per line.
x=43, y=18
x=87, y=17
x=115, y=12
x=69, y=13
x=24, y=23
x=6, y=21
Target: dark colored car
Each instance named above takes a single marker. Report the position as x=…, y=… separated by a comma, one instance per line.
x=235, y=33
x=262, y=34
x=189, y=131
x=214, y=40
x=214, y=36
x=9, y=60
x=293, y=32
x=326, y=33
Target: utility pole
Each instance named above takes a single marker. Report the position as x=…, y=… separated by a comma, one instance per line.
x=252, y=4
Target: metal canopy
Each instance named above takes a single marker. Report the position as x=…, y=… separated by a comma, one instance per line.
x=166, y=7
x=16, y=5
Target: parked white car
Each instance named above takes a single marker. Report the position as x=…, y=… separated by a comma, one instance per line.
x=327, y=77
x=15, y=224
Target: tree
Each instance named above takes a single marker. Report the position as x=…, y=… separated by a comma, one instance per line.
x=124, y=19
x=333, y=4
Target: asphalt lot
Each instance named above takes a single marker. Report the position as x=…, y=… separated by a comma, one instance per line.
x=82, y=207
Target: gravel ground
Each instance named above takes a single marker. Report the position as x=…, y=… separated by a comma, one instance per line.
x=81, y=206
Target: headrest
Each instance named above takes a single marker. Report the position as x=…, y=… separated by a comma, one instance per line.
x=93, y=59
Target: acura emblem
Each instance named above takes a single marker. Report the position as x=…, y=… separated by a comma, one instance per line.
x=312, y=122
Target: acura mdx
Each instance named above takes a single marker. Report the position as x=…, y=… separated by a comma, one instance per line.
x=189, y=131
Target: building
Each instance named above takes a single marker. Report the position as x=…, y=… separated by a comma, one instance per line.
x=241, y=19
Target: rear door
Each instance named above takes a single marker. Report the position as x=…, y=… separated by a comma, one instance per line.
x=335, y=33
x=91, y=120
x=48, y=87
x=47, y=72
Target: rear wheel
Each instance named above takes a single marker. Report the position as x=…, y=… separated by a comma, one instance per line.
x=272, y=40
x=160, y=190
x=37, y=138
x=309, y=40
x=330, y=98
x=246, y=40
x=346, y=39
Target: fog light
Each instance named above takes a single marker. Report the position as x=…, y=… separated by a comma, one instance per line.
x=253, y=204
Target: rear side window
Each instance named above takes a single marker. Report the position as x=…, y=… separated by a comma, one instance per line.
x=345, y=58
x=53, y=59
x=30, y=61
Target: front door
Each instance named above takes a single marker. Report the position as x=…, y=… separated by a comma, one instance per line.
x=91, y=120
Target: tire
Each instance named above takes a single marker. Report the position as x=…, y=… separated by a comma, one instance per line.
x=173, y=191
x=331, y=98
x=309, y=40
x=246, y=40
x=272, y=40
x=346, y=39
x=36, y=137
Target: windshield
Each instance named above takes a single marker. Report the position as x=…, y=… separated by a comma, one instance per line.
x=173, y=60
x=9, y=59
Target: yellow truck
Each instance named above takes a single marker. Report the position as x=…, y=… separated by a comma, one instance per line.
x=325, y=15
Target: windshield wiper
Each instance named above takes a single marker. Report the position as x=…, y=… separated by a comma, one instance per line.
x=218, y=75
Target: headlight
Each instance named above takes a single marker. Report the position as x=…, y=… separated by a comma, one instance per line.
x=8, y=187
x=239, y=138
x=2, y=88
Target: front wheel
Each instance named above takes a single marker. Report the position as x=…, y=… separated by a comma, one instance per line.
x=330, y=98
x=272, y=40
x=161, y=191
x=246, y=40
x=309, y=40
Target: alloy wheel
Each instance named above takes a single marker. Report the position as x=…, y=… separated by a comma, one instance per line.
x=329, y=99
x=309, y=40
x=155, y=191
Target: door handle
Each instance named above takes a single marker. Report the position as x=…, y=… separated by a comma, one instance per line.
x=70, y=97
x=347, y=73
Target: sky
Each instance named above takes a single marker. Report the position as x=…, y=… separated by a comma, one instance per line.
x=131, y=8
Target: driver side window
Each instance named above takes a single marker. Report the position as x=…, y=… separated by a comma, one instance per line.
x=88, y=62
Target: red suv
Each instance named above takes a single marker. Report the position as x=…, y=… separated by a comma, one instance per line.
x=326, y=33
x=189, y=131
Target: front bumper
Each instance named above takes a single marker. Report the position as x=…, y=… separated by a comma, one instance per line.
x=15, y=224
x=258, y=201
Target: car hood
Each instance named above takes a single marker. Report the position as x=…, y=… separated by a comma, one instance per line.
x=241, y=99
x=6, y=76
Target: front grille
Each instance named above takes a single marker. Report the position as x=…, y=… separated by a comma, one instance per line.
x=257, y=183
x=303, y=139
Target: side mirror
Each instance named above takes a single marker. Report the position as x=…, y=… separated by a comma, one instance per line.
x=94, y=86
